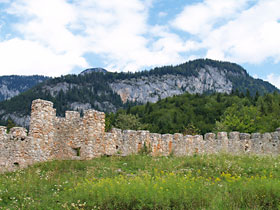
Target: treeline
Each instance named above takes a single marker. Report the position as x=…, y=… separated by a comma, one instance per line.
x=199, y=114
x=234, y=72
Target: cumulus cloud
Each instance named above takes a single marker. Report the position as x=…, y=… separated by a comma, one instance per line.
x=57, y=34
x=119, y=31
x=29, y=57
x=200, y=18
x=48, y=22
x=64, y=32
x=44, y=44
x=234, y=30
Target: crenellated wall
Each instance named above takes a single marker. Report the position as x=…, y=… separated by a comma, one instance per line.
x=82, y=138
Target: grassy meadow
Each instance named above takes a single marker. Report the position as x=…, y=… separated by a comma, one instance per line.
x=144, y=182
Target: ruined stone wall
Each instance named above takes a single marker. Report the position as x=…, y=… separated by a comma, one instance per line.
x=131, y=142
x=52, y=138
x=15, y=149
x=79, y=138
x=75, y=137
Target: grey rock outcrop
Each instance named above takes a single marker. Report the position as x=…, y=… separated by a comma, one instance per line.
x=13, y=85
x=153, y=88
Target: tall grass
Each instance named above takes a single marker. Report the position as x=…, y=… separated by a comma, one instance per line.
x=144, y=182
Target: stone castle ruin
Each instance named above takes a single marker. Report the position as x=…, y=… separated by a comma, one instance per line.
x=75, y=138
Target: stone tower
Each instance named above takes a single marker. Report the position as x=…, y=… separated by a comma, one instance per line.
x=94, y=131
x=42, y=129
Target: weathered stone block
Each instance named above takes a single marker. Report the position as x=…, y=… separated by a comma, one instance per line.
x=234, y=136
x=18, y=133
x=256, y=136
x=180, y=144
x=3, y=131
x=155, y=143
x=129, y=142
x=189, y=144
x=222, y=136
x=72, y=115
x=210, y=137
x=168, y=146
x=222, y=142
x=245, y=136
x=266, y=136
x=199, y=144
x=143, y=140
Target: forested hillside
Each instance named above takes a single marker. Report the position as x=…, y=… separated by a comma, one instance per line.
x=198, y=114
x=89, y=91
x=106, y=91
x=11, y=86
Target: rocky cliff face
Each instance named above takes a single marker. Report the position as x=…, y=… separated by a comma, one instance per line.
x=11, y=86
x=153, y=88
x=7, y=93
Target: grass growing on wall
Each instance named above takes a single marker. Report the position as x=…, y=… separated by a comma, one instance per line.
x=144, y=182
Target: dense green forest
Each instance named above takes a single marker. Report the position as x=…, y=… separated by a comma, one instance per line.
x=199, y=114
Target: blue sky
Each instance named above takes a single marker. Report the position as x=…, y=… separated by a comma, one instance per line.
x=56, y=37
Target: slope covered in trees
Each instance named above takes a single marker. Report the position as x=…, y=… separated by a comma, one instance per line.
x=11, y=86
x=89, y=88
x=94, y=91
x=199, y=114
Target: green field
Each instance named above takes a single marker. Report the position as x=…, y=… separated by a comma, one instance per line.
x=144, y=182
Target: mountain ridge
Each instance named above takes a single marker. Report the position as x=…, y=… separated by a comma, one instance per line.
x=12, y=85
x=91, y=70
x=112, y=91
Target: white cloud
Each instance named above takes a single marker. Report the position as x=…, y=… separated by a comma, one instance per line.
x=274, y=79
x=200, y=18
x=119, y=31
x=46, y=45
x=252, y=37
x=233, y=30
x=48, y=28
x=244, y=31
x=28, y=57
x=115, y=30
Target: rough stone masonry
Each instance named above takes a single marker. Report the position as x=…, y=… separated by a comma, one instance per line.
x=75, y=138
